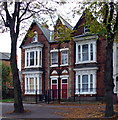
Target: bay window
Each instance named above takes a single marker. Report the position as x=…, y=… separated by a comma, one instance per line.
x=33, y=83
x=86, y=82
x=85, y=52
x=33, y=58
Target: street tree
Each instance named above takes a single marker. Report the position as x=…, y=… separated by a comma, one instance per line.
x=12, y=14
x=102, y=17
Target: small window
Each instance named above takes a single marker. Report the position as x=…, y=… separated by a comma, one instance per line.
x=64, y=81
x=54, y=81
x=87, y=29
x=35, y=37
x=54, y=58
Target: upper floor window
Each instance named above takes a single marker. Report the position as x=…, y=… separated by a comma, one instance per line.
x=35, y=37
x=86, y=52
x=54, y=58
x=33, y=58
x=64, y=57
x=86, y=28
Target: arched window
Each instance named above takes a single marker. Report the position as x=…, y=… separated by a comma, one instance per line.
x=35, y=37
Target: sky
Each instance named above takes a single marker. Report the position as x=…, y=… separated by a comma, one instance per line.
x=5, y=44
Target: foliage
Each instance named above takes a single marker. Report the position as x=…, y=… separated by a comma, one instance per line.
x=63, y=34
x=6, y=77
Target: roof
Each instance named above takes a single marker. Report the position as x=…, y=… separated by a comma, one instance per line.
x=44, y=30
x=64, y=22
x=4, y=56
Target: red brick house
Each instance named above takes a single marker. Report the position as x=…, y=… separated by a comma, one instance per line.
x=81, y=68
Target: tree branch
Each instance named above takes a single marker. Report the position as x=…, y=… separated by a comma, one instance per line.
x=18, y=20
x=25, y=10
x=8, y=17
x=4, y=20
x=106, y=14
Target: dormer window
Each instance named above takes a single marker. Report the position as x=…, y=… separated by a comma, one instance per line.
x=35, y=37
x=86, y=29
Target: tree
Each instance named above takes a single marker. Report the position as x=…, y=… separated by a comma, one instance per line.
x=12, y=15
x=103, y=20
x=6, y=78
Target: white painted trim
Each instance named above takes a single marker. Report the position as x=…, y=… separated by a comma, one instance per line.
x=64, y=49
x=85, y=69
x=86, y=38
x=54, y=66
x=33, y=72
x=64, y=65
x=54, y=77
x=64, y=76
x=54, y=50
x=33, y=46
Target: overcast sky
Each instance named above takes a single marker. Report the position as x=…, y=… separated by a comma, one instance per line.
x=5, y=44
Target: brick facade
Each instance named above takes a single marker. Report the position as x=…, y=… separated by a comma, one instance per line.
x=69, y=71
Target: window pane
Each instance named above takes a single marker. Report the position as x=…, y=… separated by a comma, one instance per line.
x=54, y=58
x=27, y=84
x=85, y=83
x=64, y=81
x=64, y=57
x=27, y=58
x=40, y=57
x=91, y=83
x=32, y=84
x=31, y=58
x=91, y=51
x=36, y=57
x=35, y=38
x=79, y=53
x=54, y=81
x=79, y=83
x=85, y=52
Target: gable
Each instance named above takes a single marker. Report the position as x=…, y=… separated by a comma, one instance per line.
x=43, y=33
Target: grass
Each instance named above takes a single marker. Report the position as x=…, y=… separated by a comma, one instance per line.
x=8, y=100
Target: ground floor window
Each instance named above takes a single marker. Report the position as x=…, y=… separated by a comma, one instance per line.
x=85, y=82
x=33, y=84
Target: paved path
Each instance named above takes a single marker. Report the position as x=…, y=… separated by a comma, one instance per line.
x=37, y=111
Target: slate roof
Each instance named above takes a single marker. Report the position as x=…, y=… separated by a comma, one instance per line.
x=44, y=30
x=4, y=56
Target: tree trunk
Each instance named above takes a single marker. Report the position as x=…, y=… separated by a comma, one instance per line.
x=108, y=80
x=18, y=105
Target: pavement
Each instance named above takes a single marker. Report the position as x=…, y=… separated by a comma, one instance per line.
x=34, y=111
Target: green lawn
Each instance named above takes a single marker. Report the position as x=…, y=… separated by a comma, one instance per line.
x=8, y=100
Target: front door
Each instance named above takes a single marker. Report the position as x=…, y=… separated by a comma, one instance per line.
x=54, y=89
x=64, y=88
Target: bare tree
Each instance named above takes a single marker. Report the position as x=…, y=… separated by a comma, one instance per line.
x=12, y=15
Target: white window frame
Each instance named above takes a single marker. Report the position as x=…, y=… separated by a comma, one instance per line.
x=35, y=37
x=64, y=56
x=39, y=50
x=86, y=27
x=54, y=51
x=81, y=72
x=81, y=43
x=39, y=82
